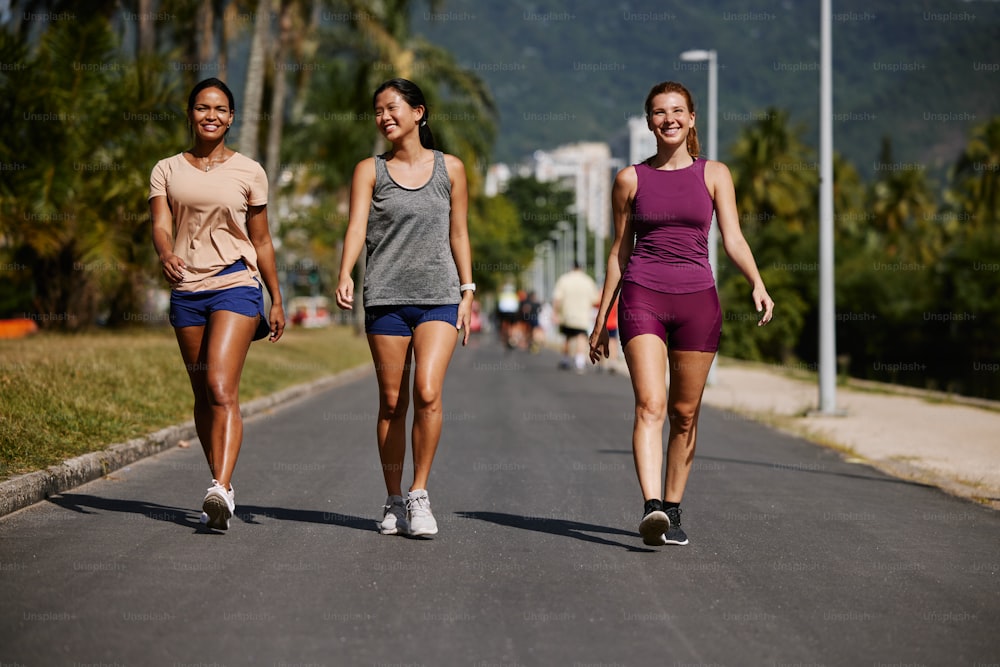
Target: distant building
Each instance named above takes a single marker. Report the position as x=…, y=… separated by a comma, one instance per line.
x=586, y=169
x=497, y=177
x=641, y=142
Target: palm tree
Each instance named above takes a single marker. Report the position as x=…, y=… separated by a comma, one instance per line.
x=75, y=215
x=900, y=199
x=976, y=176
x=774, y=172
x=253, y=91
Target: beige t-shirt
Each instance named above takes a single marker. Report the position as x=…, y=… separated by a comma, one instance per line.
x=210, y=218
x=575, y=294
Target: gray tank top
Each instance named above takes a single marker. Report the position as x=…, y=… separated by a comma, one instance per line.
x=409, y=260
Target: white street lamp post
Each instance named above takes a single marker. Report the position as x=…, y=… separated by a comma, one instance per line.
x=827, y=305
x=701, y=55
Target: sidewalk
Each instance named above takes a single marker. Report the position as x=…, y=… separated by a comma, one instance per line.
x=920, y=436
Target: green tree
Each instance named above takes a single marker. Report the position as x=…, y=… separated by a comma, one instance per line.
x=901, y=196
x=775, y=173
x=976, y=177
x=540, y=206
x=74, y=211
x=498, y=247
x=775, y=177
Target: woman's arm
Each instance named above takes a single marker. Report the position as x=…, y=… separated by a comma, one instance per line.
x=622, y=196
x=720, y=184
x=362, y=187
x=260, y=235
x=163, y=239
x=461, y=249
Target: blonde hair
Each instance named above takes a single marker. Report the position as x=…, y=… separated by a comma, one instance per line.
x=694, y=148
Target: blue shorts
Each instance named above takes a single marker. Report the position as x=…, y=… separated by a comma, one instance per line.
x=402, y=320
x=192, y=309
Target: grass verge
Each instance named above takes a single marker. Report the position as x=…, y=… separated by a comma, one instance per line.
x=66, y=395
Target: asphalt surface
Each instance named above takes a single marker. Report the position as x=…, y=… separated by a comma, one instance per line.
x=796, y=557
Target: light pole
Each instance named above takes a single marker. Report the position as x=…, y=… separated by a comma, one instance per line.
x=556, y=236
x=550, y=269
x=701, y=55
x=827, y=305
x=538, y=270
x=567, y=245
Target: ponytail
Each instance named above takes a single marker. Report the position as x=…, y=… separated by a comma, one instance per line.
x=426, y=136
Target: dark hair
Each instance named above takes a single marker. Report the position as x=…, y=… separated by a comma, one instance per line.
x=211, y=83
x=413, y=96
x=673, y=87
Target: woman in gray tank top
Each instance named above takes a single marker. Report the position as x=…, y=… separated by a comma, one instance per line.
x=408, y=212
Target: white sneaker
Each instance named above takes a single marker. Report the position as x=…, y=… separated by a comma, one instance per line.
x=418, y=514
x=218, y=506
x=393, y=516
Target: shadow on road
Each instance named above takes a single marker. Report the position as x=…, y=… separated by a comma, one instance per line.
x=250, y=514
x=87, y=504
x=815, y=469
x=560, y=527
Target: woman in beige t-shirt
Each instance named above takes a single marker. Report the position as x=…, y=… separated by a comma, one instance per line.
x=209, y=211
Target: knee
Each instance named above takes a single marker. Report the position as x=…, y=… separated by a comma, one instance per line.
x=392, y=406
x=650, y=411
x=427, y=399
x=219, y=393
x=682, y=418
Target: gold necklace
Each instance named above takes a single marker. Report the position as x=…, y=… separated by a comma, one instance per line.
x=208, y=160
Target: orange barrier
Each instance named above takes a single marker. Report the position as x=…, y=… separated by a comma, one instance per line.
x=17, y=328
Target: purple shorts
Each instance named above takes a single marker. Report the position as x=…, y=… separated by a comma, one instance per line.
x=690, y=322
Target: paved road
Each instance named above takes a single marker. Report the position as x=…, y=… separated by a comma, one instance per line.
x=796, y=557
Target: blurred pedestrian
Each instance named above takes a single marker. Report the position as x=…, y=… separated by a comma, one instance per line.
x=530, y=310
x=574, y=297
x=208, y=206
x=507, y=305
x=408, y=210
x=670, y=311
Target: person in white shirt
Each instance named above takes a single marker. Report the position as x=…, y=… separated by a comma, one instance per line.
x=574, y=298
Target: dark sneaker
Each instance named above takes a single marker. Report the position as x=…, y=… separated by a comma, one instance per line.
x=393, y=516
x=674, y=534
x=654, y=524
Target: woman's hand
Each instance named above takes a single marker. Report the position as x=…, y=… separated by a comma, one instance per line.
x=345, y=293
x=599, y=345
x=173, y=268
x=764, y=304
x=277, y=320
x=465, y=316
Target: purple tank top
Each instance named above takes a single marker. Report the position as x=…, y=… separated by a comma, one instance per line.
x=671, y=216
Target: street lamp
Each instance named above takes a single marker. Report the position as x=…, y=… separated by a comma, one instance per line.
x=701, y=55
x=827, y=304
x=567, y=245
x=558, y=252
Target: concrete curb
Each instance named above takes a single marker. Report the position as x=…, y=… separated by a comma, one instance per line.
x=25, y=490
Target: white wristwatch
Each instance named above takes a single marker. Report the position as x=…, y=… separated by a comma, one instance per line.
x=465, y=287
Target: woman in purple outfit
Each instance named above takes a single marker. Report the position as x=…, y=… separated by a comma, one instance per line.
x=669, y=309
